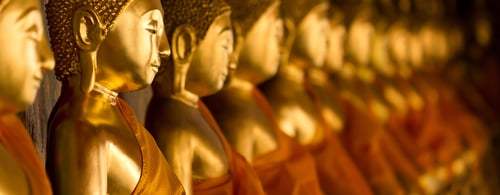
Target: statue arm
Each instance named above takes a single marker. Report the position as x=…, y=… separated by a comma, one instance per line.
x=239, y=133
x=178, y=150
x=77, y=160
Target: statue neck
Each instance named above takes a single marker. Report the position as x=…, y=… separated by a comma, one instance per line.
x=292, y=72
x=317, y=76
x=240, y=83
x=6, y=108
x=71, y=89
x=405, y=71
x=186, y=97
x=348, y=72
x=365, y=74
x=105, y=93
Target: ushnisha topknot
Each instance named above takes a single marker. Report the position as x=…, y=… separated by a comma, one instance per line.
x=200, y=14
x=60, y=17
x=296, y=10
x=246, y=12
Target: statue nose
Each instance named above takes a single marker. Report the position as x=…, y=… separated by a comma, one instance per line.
x=165, y=50
x=46, y=56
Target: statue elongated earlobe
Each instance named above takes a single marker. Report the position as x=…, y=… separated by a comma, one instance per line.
x=183, y=47
x=89, y=32
x=289, y=38
x=238, y=45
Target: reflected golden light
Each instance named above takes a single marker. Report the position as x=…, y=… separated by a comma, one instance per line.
x=123, y=162
x=293, y=128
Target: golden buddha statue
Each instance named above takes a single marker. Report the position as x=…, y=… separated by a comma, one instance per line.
x=24, y=55
x=327, y=99
x=202, y=43
x=96, y=145
x=297, y=112
x=432, y=131
x=245, y=117
x=391, y=64
x=293, y=107
x=366, y=113
x=470, y=129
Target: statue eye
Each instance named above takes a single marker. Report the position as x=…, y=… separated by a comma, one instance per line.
x=152, y=31
x=152, y=27
x=32, y=32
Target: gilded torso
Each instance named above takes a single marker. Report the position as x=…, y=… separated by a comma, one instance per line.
x=187, y=140
x=244, y=124
x=327, y=99
x=90, y=138
x=294, y=109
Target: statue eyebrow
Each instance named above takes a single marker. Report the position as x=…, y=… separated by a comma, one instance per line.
x=31, y=9
x=225, y=29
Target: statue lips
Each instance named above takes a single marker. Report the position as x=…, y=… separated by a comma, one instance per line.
x=37, y=78
x=155, y=68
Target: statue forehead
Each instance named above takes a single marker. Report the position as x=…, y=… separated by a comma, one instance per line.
x=16, y=4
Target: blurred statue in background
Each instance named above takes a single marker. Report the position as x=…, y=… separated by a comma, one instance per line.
x=202, y=44
x=327, y=98
x=24, y=55
x=245, y=117
x=96, y=144
x=366, y=113
x=297, y=111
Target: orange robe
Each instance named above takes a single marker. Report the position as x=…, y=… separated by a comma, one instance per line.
x=431, y=128
x=338, y=173
x=241, y=180
x=156, y=175
x=469, y=126
x=290, y=169
x=14, y=137
x=363, y=137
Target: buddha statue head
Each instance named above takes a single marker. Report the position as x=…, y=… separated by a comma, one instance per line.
x=380, y=56
x=259, y=32
x=336, y=40
x=482, y=29
x=434, y=46
x=116, y=44
x=24, y=53
x=201, y=38
x=399, y=46
x=306, y=24
x=359, y=37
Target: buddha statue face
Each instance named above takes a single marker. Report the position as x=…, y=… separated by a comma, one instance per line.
x=24, y=53
x=312, y=36
x=359, y=40
x=130, y=53
x=209, y=66
x=260, y=54
x=336, y=40
x=379, y=52
x=398, y=42
x=482, y=30
x=415, y=50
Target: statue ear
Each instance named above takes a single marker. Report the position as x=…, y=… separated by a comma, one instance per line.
x=289, y=32
x=89, y=32
x=239, y=40
x=183, y=46
x=183, y=43
x=288, y=39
